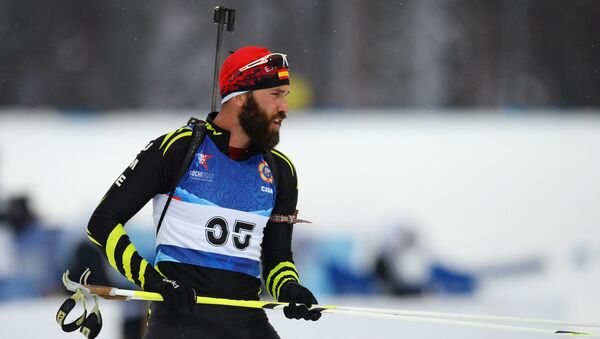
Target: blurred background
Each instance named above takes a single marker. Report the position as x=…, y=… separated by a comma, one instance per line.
x=448, y=151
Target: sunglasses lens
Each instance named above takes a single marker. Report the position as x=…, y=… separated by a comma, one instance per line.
x=277, y=61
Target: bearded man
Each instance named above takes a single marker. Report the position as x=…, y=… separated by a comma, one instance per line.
x=230, y=216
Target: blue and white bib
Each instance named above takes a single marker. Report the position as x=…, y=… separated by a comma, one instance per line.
x=218, y=212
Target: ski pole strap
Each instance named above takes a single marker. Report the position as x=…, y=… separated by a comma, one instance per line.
x=93, y=323
x=66, y=308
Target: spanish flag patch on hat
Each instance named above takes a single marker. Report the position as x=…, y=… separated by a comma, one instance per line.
x=283, y=75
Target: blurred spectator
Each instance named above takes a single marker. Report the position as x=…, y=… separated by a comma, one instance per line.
x=401, y=265
x=36, y=247
x=404, y=267
x=85, y=255
x=18, y=214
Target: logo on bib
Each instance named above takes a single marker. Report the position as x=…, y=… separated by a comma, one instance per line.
x=265, y=172
x=266, y=189
x=204, y=176
x=202, y=160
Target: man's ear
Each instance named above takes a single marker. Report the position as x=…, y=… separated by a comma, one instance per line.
x=239, y=100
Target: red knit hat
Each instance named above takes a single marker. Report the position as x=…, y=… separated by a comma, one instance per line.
x=272, y=71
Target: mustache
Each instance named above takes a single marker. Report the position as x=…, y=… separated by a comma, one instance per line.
x=281, y=115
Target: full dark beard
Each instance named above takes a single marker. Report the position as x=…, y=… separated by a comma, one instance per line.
x=256, y=123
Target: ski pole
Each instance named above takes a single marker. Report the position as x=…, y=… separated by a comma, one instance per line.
x=444, y=318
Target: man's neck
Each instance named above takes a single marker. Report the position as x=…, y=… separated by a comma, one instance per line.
x=229, y=122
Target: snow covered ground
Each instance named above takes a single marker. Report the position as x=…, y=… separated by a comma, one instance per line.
x=482, y=189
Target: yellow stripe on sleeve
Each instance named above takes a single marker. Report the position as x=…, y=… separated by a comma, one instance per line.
x=111, y=244
x=89, y=235
x=159, y=272
x=278, y=277
x=277, y=268
x=184, y=134
x=127, y=254
x=277, y=153
x=167, y=138
x=276, y=295
x=143, y=265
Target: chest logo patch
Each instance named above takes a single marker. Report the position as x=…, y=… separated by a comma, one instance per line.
x=265, y=172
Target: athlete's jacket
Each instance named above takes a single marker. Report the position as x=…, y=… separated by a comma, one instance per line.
x=216, y=235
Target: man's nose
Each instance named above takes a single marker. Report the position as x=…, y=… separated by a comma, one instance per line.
x=283, y=106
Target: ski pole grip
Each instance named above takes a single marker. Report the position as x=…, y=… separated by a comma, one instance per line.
x=104, y=292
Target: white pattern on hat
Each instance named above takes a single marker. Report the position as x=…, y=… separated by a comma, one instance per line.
x=231, y=95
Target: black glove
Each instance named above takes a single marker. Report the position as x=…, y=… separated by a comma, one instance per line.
x=174, y=293
x=301, y=299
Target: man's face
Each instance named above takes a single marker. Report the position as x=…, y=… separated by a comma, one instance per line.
x=262, y=115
